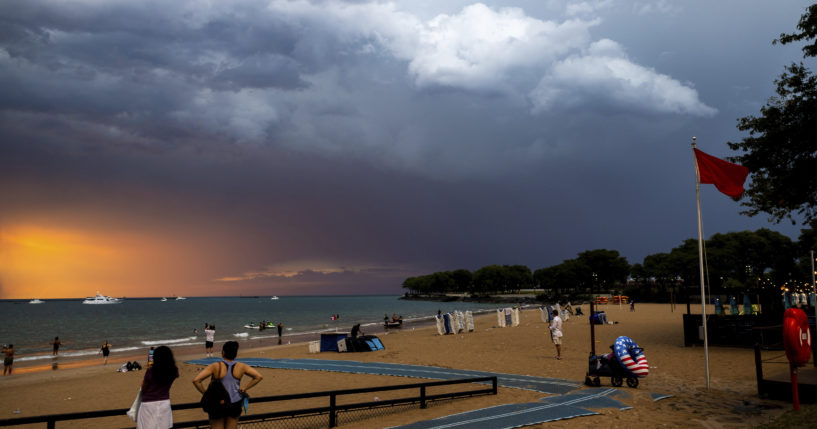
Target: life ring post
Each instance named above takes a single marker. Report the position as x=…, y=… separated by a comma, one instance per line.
x=795, y=391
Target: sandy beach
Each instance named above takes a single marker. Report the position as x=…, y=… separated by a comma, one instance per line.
x=731, y=402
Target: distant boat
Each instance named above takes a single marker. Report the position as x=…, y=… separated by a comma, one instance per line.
x=179, y=298
x=273, y=297
x=36, y=301
x=163, y=299
x=101, y=299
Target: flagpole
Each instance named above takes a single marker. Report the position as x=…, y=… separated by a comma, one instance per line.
x=701, y=266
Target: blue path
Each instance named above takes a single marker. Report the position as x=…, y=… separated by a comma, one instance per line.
x=551, y=408
x=527, y=382
x=518, y=415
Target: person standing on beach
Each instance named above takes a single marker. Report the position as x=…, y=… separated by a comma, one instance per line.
x=56, y=345
x=105, y=350
x=8, y=360
x=155, y=413
x=556, y=333
x=280, y=331
x=229, y=372
x=209, y=338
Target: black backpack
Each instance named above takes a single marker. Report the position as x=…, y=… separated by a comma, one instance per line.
x=215, y=398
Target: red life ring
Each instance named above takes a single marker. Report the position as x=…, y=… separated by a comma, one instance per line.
x=796, y=336
x=631, y=357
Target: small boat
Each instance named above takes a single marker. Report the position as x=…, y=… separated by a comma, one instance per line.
x=273, y=297
x=179, y=298
x=36, y=301
x=101, y=299
x=163, y=299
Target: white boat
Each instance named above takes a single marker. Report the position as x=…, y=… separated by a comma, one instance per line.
x=179, y=298
x=163, y=299
x=101, y=299
x=36, y=301
x=273, y=297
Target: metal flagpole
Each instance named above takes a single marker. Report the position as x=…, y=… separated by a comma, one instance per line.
x=701, y=265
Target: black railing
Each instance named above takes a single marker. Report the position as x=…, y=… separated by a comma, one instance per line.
x=331, y=410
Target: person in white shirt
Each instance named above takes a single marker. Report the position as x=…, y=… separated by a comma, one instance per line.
x=209, y=337
x=556, y=333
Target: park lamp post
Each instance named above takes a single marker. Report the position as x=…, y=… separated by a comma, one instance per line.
x=592, y=313
x=814, y=289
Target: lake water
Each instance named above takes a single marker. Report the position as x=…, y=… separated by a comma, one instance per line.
x=137, y=324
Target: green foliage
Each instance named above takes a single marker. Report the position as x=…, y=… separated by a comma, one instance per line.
x=781, y=149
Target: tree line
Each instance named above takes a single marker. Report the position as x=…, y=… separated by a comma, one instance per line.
x=737, y=262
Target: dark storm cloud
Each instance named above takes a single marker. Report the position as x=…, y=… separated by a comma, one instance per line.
x=383, y=137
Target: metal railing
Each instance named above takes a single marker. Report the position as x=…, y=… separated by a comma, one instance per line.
x=332, y=409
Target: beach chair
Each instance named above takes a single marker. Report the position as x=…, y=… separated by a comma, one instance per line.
x=500, y=317
x=515, y=317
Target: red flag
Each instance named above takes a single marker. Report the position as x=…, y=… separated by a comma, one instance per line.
x=727, y=177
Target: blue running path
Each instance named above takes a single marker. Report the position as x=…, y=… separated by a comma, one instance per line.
x=526, y=382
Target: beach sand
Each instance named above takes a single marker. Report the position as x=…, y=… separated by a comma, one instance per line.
x=675, y=370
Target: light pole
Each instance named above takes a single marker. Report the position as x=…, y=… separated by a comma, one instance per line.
x=814, y=289
x=592, y=313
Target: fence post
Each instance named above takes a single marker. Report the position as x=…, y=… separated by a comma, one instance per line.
x=422, y=397
x=759, y=370
x=332, y=422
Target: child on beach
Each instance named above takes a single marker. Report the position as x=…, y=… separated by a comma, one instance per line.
x=56, y=345
x=8, y=360
x=105, y=350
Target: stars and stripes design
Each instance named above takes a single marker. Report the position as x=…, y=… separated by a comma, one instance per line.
x=631, y=357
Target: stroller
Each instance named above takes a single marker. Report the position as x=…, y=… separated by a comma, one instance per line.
x=608, y=366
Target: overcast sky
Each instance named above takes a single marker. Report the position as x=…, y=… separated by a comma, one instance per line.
x=153, y=148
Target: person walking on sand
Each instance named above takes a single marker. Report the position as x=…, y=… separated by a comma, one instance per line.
x=155, y=413
x=229, y=372
x=209, y=337
x=105, y=350
x=56, y=345
x=280, y=331
x=8, y=359
x=556, y=333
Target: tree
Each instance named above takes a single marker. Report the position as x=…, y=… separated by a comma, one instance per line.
x=781, y=149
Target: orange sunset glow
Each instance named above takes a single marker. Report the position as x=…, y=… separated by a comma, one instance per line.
x=49, y=262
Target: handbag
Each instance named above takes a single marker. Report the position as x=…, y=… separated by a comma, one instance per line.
x=134, y=409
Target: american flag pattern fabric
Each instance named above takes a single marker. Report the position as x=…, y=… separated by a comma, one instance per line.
x=631, y=357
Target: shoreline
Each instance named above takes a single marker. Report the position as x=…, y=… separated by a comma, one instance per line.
x=115, y=360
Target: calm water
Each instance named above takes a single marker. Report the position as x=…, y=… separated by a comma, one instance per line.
x=139, y=324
